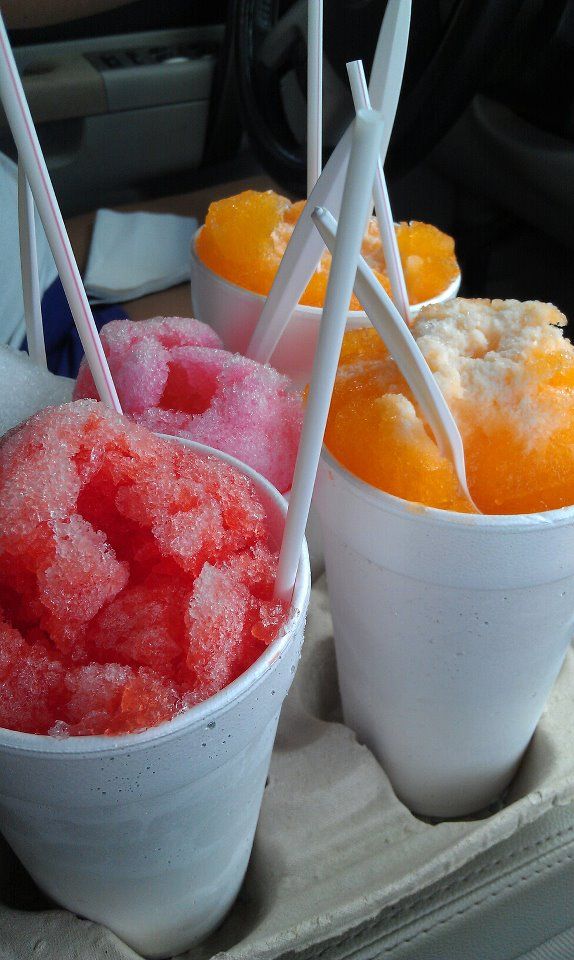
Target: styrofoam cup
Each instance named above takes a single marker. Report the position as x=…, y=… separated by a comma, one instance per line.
x=150, y=833
x=233, y=313
x=450, y=630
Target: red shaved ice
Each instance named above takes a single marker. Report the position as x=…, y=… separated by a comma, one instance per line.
x=174, y=377
x=136, y=575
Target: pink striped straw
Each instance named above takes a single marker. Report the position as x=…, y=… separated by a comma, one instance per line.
x=30, y=154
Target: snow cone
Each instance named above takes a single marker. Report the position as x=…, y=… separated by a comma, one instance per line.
x=143, y=663
x=236, y=253
x=451, y=627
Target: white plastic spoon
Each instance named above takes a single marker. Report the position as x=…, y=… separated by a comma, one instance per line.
x=405, y=351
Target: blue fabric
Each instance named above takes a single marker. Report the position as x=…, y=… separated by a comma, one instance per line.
x=64, y=350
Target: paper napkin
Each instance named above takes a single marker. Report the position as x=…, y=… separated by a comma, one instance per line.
x=133, y=254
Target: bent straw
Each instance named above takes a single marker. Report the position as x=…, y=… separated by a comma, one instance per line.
x=404, y=349
x=29, y=270
x=355, y=208
x=314, y=92
x=30, y=153
x=305, y=247
x=400, y=296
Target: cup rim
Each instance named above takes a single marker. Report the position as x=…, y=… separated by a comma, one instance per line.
x=357, y=316
x=420, y=513
x=200, y=713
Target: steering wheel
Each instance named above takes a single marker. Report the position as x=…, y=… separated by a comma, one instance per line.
x=449, y=61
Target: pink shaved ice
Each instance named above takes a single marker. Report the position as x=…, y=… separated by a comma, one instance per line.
x=136, y=577
x=173, y=376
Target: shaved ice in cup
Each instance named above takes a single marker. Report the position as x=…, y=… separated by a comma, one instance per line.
x=236, y=253
x=245, y=236
x=174, y=377
x=450, y=628
x=507, y=373
x=143, y=663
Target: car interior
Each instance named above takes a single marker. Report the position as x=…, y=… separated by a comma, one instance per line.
x=146, y=104
x=484, y=115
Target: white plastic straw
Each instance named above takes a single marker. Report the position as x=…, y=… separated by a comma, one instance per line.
x=30, y=153
x=305, y=247
x=355, y=207
x=404, y=349
x=385, y=219
x=301, y=257
x=388, y=67
x=29, y=270
x=314, y=92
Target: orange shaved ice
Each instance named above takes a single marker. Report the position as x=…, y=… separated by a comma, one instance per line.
x=507, y=373
x=245, y=236
x=136, y=575
x=238, y=238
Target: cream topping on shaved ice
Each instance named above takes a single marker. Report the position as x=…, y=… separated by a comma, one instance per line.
x=485, y=354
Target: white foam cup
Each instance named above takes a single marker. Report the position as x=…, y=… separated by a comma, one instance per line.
x=449, y=632
x=233, y=313
x=150, y=833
